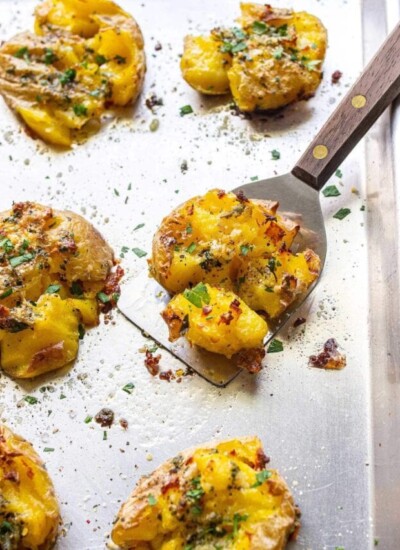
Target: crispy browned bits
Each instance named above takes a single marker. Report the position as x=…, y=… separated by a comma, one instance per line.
x=105, y=417
x=329, y=358
x=336, y=76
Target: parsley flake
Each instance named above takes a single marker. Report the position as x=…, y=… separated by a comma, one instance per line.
x=275, y=154
x=152, y=500
x=67, y=77
x=31, y=399
x=331, y=191
x=261, y=477
x=342, y=213
x=275, y=346
x=186, y=110
x=80, y=109
x=139, y=252
x=197, y=295
x=52, y=289
x=129, y=387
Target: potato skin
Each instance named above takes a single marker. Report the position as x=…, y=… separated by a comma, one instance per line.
x=274, y=59
x=52, y=266
x=29, y=511
x=158, y=512
x=83, y=58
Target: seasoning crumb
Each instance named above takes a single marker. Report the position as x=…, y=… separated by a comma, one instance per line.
x=299, y=321
x=330, y=358
x=149, y=457
x=336, y=76
x=123, y=423
x=105, y=417
x=167, y=375
x=152, y=363
x=153, y=101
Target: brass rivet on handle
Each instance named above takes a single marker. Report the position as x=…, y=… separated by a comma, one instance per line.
x=359, y=101
x=320, y=152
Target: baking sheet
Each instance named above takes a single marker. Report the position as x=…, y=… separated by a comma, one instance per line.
x=320, y=428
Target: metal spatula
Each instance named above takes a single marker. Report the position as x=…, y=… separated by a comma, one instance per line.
x=143, y=299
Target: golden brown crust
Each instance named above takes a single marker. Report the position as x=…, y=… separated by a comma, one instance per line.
x=22, y=471
x=272, y=532
x=53, y=265
x=83, y=58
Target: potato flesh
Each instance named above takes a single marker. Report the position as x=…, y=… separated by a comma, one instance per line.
x=217, y=486
x=52, y=266
x=26, y=493
x=275, y=58
x=99, y=41
x=224, y=324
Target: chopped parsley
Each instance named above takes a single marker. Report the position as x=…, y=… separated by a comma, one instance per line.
x=311, y=64
x=88, y=419
x=152, y=500
x=49, y=56
x=52, y=289
x=67, y=77
x=129, y=387
x=275, y=154
x=15, y=261
x=237, y=520
x=139, y=252
x=80, y=109
x=278, y=52
x=275, y=346
x=138, y=226
x=259, y=27
x=342, y=213
x=186, y=110
x=338, y=173
x=102, y=296
x=81, y=331
x=331, y=191
x=31, y=399
x=100, y=59
x=191, y=248
x=48, y=450
x=261, y=477
x=6, y=293
x=22, y=53
x=76, y=288
x=7, y=245
x=245, y=249
x=198, y=295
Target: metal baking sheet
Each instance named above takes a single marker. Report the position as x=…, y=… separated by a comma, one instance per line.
x=333, y=435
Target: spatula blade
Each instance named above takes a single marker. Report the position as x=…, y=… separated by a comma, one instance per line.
x=142, y=300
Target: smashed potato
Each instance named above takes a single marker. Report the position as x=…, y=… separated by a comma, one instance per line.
x=29, y=512
x=273, y=59
x=218, y=321
x=84, y=57
x=239, y=246
x=215, y=496
x=55, y=277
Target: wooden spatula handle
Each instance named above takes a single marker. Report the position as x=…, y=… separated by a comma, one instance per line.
x=377, y=87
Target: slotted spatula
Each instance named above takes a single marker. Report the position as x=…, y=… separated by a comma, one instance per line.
x=142, y=299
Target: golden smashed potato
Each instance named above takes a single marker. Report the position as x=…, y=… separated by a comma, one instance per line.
x=238, y=251
x=29, y=512
x=218, y=321
x=219, y=495
x=55, y=277
x=273, y=59
x=84, y=57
